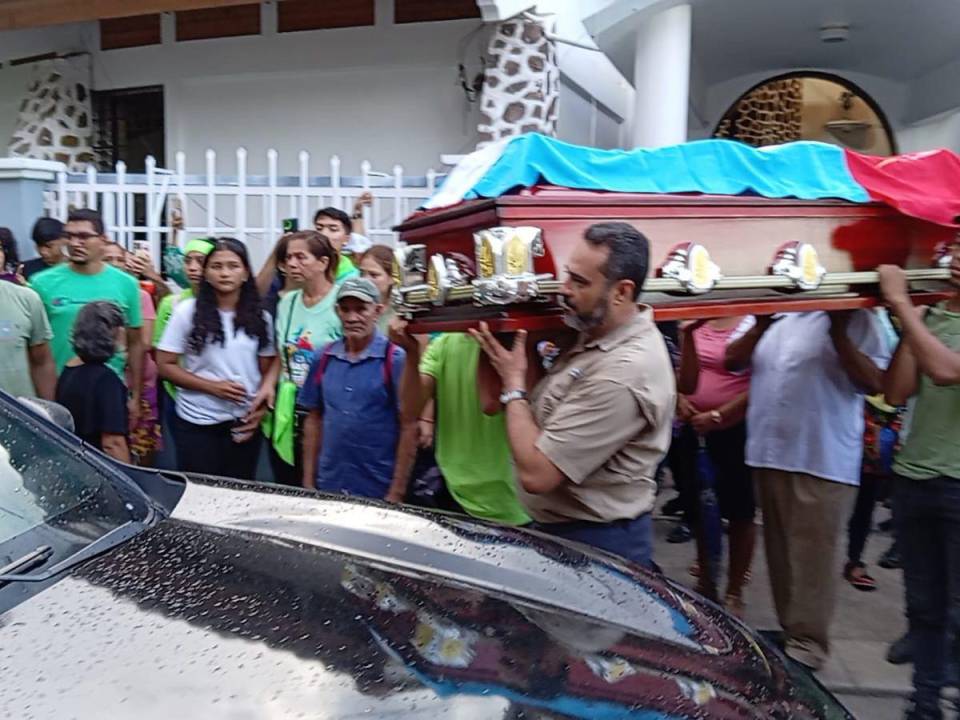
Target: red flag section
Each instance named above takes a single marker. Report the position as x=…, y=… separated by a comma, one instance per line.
x=925, y=185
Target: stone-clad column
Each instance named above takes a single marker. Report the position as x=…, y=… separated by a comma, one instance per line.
x=521, y=83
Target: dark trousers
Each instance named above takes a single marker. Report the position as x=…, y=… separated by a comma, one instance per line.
x=209, y=449
x=861, y=521
x=283, y=473
x=630, y=539
x=734, y=480
x=928, y=518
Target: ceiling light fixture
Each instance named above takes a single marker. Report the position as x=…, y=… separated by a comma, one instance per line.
x=834, y=32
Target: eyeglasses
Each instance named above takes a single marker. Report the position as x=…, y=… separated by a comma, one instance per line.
x=82, y=236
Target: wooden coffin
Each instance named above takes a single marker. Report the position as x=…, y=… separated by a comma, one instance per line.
x=710, y=256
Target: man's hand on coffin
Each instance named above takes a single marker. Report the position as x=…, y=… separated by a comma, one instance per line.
x=511, y=365
x=399, y=335
x=893, y=284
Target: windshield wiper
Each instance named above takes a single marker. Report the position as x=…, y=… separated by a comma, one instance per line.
x=113, y=538
x=25, y=562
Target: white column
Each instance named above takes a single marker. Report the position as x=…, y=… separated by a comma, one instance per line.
x=661, y=76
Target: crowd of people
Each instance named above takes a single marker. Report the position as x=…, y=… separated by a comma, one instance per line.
x=304, y=363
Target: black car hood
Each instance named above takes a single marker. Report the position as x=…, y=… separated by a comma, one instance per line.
x=258, y=602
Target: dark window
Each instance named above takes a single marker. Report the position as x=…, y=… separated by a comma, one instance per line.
x=218, y=22
x=409, y=11
x=128, y=32
x=128, y=126
x=293, y=15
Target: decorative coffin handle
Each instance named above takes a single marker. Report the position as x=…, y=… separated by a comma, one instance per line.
x=690, y=265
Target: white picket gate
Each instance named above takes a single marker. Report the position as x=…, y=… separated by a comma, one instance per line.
x=136, y=207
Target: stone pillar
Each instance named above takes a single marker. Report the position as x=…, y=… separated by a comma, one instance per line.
x=55, y=120
x=22, y=183
x=521, y=84
x=661, y=78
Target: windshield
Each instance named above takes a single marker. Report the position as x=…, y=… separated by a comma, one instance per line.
x=50, y=493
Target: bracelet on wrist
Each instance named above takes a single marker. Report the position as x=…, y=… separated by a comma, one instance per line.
x=425, y=420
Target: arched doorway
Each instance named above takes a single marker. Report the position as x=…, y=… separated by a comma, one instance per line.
x=808, y=106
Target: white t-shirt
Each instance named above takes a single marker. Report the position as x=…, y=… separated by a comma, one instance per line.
x=237, y=360
x=804, y=413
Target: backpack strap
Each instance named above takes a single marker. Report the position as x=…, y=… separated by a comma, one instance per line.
x=323, y=362
x=388, y=367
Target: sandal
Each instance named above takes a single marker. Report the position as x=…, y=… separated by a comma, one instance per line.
x=735, y=605
x=856, y=575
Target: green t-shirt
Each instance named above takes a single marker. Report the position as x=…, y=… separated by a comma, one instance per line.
x=23, y=324
x=932, y=447
x=304, y=331
x=472, y=449
x=64, y=292
x=345, y=268
x=164, y=311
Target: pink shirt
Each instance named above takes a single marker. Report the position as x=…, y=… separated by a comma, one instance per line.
x=717, y=385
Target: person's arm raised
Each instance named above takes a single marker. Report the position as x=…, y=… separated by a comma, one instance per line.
x=740, y=352
x=933, y=358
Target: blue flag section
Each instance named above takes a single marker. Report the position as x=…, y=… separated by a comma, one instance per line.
x=804, y=170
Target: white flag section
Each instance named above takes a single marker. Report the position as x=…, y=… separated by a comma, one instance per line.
x=468, y=172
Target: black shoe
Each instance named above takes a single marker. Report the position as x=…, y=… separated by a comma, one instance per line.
x=900, y=652
x=680, y=534
x=890, y=560
x=672, y=506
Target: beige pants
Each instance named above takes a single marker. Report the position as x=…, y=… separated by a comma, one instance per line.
x=803, y=518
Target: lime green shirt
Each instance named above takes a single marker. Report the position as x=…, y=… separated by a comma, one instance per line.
x=164, y=311
x=472, y=448
x=345, y=268
x=932, y=447
x=64, y=292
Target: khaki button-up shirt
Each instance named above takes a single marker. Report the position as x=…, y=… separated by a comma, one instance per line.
x=605, y=411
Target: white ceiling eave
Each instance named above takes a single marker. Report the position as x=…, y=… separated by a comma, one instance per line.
x=613, y=13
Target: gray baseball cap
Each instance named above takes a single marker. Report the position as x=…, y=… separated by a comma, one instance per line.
x=360, y=288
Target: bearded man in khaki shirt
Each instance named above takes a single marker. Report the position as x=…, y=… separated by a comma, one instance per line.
x=587, y=441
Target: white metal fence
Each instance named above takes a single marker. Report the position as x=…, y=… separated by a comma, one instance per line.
x=137, y=207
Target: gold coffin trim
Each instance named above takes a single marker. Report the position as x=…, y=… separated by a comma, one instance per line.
x=421, y=296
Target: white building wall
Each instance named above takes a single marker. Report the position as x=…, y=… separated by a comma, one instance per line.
x=388, y=93
x=942, y=131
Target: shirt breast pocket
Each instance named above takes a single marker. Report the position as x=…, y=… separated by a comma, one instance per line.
x=559, y=386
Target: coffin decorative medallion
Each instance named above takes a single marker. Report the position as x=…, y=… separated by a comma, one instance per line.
x=691, y=266
x=799, y=262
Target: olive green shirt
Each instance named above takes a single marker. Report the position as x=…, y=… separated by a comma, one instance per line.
x=932, y=447
x=605, y=411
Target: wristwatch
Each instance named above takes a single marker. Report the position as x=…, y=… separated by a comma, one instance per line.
x=510, y=395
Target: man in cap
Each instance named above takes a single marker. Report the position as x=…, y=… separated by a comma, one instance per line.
x=354, y=439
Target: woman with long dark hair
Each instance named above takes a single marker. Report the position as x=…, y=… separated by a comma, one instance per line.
x=306, y=322
x=217, y=349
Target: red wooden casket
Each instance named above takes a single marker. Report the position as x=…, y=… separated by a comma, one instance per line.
x=711, y=256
